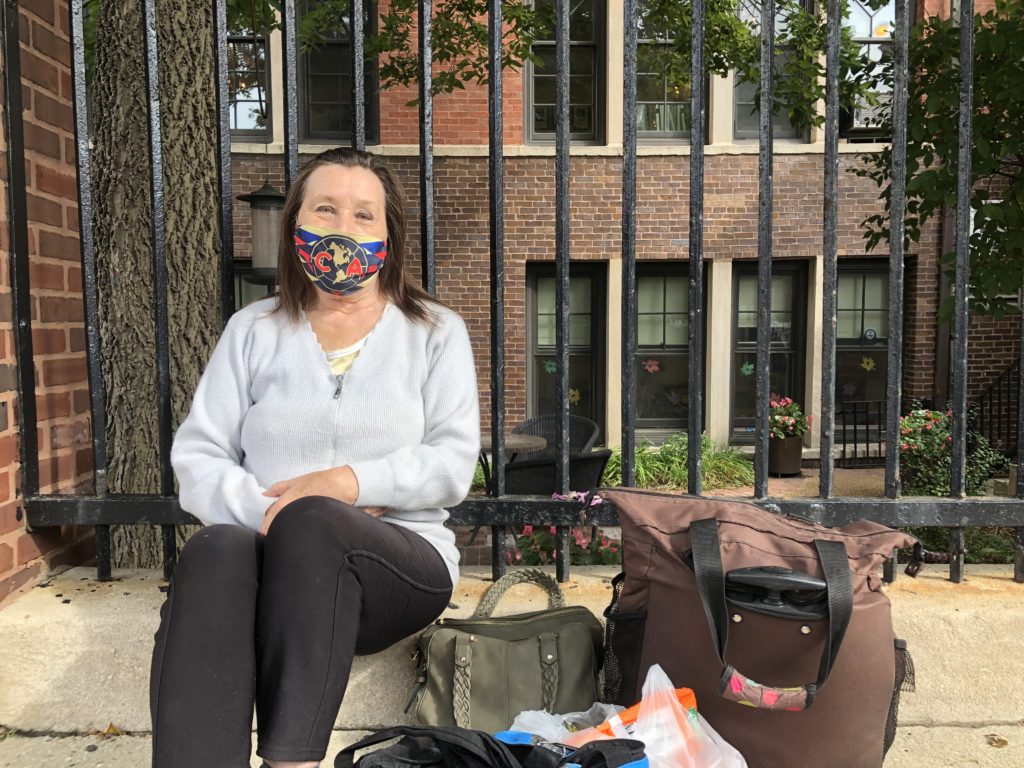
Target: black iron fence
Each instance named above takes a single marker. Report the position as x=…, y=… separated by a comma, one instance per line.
x=500, y=510
x=996, y=416
x=861, y=428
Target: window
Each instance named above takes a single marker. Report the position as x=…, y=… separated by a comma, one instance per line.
x=662, y=104
x=662, y=346
x=746, y=112
x=787, y=340
x=872, y=30
x=587, y=297
x=325, y=87
x=862, y=333
x=586, y=73
x=248, y=91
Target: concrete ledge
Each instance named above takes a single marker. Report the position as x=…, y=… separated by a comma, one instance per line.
x=77, y=652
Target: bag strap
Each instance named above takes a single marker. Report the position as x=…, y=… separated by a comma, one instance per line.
x=490, y=752
x=710, y=575
x=519, y=576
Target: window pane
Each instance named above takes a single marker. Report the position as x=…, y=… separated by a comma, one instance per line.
x=747, y=299
x=876, y=291
x=782, y=293
x=677, y=294
x=744, y=382
x=544, y=119
x=849, y=292
x=581, y=60
x=876, y=324
x=650, y=292
x=579, y=330
x=860, y=375
x=544, y=90
x=848, y=324
x=677, y=329
x=581, y=394
x=650, y=330
x=546, y=295
x=650, y=88
x=662, y=390
x=579, y=294
x=581, y=90
x=546, y=330
x=581, y=119
x=325, y=88
x=746, y=114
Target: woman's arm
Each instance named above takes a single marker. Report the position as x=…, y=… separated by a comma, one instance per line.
x=439, y=471
x=207, y=452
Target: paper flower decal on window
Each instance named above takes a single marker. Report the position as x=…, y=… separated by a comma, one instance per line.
x=651, y=365
x=574, y=397
x=747, y=369
x=867, y=363
x=675, y=397
x=550, y=366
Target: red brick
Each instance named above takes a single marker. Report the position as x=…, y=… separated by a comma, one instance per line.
x=10, y=518
x=83, y=461
x=15, y=582
x=6, y=558
x=41, y=8
x=42, y=140
x=78, y=339
x=74, y=280
x=53, y=112
x=40, y=71
x=53, y=405
x=56, y=246
x=6, y=491
x=60, y=309
x=68, y=370
x=69, y=435
x=45, y=211
x=55, y=470
x=46, y=277
x=29, y=546
x=44, y=41
x=8, y=380
x=80, y=402
x=57, y=184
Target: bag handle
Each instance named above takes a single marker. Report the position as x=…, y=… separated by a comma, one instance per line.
x=707, y=566
x=519, y=576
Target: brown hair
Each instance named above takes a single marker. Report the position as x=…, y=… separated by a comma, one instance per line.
x=297, y=293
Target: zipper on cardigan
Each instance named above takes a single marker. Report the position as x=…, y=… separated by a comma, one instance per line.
x=341, y=383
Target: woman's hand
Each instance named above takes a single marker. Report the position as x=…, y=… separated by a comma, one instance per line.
x=338, y=483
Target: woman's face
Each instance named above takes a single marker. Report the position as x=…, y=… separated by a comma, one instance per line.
x=346, y=200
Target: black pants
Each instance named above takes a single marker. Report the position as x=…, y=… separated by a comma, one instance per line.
x=276, y=621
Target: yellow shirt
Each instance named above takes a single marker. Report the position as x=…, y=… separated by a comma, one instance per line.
x=341, y=360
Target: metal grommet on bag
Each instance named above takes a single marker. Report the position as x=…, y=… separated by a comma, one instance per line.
x=737, y=618
x=806, y=630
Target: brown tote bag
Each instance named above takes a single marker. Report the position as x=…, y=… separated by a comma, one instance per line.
x=779, y=626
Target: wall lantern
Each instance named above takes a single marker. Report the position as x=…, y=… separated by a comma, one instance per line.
x=266, y=206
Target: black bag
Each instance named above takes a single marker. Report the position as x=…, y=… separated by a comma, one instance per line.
x=453, y=747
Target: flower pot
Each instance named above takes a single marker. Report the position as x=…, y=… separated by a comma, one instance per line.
x=784, y=455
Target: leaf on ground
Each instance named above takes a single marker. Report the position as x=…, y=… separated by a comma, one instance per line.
x=110, y=731
x=995, y=740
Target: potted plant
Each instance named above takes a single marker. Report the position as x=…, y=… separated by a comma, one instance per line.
x=786, y=427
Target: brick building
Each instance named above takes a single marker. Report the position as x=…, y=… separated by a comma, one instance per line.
x=463, y=252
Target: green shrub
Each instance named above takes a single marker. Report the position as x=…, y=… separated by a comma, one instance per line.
x=665, y=466
x=983, y=545
x=538, y=545
x=926, y=455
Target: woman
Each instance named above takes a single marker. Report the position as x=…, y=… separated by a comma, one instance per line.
x=333, y=424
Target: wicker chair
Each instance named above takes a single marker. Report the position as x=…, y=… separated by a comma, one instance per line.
x=582, y=436
x=538, y=476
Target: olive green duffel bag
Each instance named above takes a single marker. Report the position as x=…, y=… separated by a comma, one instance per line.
x=482, y=671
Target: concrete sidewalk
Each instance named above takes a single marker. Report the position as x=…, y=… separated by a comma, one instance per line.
x=76, y=659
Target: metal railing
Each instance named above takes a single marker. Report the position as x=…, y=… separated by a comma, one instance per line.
x=997, y=416
x=500, y=510
x=861, y=425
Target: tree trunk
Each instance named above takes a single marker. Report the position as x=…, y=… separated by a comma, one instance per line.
x=123, y=214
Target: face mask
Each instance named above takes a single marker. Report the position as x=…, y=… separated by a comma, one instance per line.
x=338, y=262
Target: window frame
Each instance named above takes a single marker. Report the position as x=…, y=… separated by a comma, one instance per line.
x=875, y=132
x=799, y=269
x=598, y=274
x=673, y=137
x=266, y=134
x=371, y=87
x=600, y=46
x=665, y=269
x=862, y=268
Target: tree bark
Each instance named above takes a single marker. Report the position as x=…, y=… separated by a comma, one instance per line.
x=124, y=247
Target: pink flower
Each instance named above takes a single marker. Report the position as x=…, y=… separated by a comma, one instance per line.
x=613, y=550
x=527, y=530
x=552, y=530
x=903, y=446
x=651, y=365
x=519, y=555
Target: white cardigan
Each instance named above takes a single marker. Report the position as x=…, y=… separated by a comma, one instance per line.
x=405, y=418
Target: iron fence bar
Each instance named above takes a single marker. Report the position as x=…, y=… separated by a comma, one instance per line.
x=17, y=215
x=897, y=207
x=158, y=232
x=97, y=389
x=830, y=250
x=289, y=60
x=496, y=201
x=227, y=227
x=629, y=163
x=562, y=268
x=764, y=251
x=957, y=479
x=695, y=409
x=359, y=71
x=1018, y=554
x=562, y=245
x=427, y=266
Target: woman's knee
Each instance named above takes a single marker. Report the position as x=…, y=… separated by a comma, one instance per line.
x=216, y=547
x=311, y=521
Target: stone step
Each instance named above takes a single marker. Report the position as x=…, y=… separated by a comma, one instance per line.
x=77, y=651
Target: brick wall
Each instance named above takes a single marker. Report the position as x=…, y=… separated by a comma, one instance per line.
x=55, y=280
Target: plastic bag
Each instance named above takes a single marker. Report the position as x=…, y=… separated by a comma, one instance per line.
x=674, y=734
x=560, y=729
